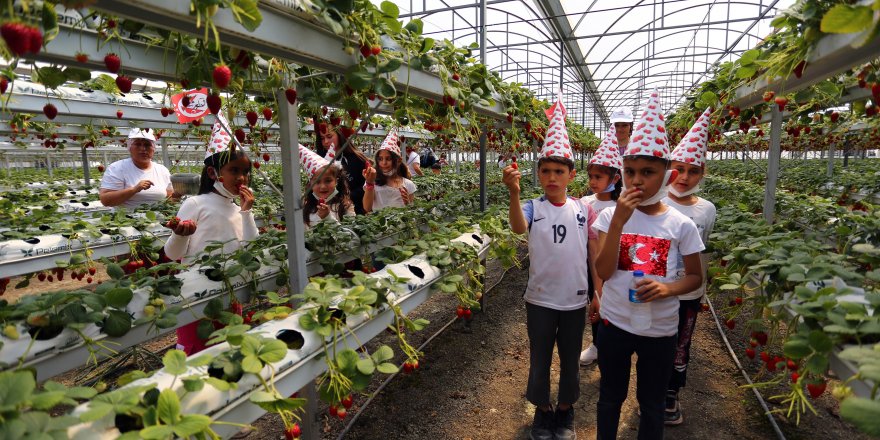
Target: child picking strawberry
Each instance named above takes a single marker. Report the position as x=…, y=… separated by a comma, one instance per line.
x=329, y=197
x=391, y=187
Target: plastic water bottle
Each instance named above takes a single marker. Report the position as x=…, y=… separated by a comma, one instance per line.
x=640, y=319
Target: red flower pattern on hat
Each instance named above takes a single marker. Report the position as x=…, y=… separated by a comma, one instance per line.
x=694, y=145
x=608, y=153
x=649, y=136
x=392, y=142
x=220, y=138
x=312, y=162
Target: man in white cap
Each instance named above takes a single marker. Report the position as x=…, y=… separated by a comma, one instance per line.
x=137, y=180
x=622, y=119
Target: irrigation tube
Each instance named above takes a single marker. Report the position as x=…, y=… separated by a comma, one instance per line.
x=424, y=344
x=745, y=375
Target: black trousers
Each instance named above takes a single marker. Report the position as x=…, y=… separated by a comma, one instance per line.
x=564, y=329
x=688, y=311
x=653, y=369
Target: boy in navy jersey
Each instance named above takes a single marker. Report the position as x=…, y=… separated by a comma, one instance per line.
x=560, y=245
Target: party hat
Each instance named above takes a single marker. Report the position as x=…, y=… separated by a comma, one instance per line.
x=312, y=162
x=694, y=144
x=391, y=142
x=556, y=142
x=608, y=153
x=220, y=138
x=649, y=136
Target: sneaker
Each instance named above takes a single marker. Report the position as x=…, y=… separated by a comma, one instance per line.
x=672, y=416
x=589, y=355
x=542, y=426
x=565, y=424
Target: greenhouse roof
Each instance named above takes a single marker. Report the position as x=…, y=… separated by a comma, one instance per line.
x=607, y=52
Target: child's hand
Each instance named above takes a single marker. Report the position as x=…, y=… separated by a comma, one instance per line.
x=650, y=290
x=511, y=179
x=323, y=209
x=184, y=228
x=247, y=197
x=404, y=194
x=370, y=174
x=627, y=203
x=593, y=313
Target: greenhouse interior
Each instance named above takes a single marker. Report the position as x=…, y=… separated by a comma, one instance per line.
x=321, y=219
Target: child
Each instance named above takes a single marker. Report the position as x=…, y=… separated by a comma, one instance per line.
x=391, y=187
x=328, y=199
x=688, y=159
x=642, y=234
x=556, y=296
x=604, y=172
x=214, y=215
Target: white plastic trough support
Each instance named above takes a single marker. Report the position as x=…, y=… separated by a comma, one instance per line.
x=297, y=369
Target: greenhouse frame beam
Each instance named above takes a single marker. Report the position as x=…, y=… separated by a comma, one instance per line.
x=282, y=34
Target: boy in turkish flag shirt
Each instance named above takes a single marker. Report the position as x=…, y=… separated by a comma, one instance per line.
x=642, y=233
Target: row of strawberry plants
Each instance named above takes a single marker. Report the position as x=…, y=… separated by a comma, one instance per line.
x=780, y=275
x=327, y=319
x=859, y=176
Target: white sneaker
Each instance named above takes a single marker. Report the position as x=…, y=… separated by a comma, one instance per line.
x=589, y=355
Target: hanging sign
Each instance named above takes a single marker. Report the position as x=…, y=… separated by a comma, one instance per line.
x=196, y=108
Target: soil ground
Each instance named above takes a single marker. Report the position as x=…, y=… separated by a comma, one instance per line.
x=471, y=385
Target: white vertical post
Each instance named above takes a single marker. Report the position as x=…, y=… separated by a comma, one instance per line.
x=85, y=165
x=49, y=165
x=773, y=165
x=165, y=159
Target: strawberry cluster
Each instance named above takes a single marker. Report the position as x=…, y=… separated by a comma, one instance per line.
x=21, y=39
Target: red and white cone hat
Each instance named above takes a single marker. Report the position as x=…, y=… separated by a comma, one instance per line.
x=695, y=143
x=392, y=142
x=220, y=139
x=608, y=153
x=556, y=142
x=649, y=135
x=312, y=162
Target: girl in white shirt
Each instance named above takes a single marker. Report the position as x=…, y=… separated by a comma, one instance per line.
x=329, y=199
x=389, y=188
x=221, y=212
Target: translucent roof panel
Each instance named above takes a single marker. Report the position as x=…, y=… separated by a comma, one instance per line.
x=605, y=53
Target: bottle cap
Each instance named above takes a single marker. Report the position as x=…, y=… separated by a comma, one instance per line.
x=638, y=273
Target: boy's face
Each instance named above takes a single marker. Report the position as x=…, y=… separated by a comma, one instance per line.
x=554, y=177
x=688, y=176
x=645, y=174
x=599, y=180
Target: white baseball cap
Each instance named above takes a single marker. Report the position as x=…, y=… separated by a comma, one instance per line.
x=137, y=133
x=622, y=115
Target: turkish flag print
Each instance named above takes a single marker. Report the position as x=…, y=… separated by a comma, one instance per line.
x=641, y=252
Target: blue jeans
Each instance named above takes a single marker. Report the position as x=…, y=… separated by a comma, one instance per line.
x=653, y=368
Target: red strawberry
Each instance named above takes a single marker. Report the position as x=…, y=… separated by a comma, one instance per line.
x=376, y=50
x=365, y=51
x=455, y=77
x=467, y=315
x=335, y=121
x=81, y=57
x=875, y=91
x=768, y=96
x=781, y=101
x=731, y=324
x=100, y=168
x=214, y=102
x=459, y=312
x=791, y=365
x=705, y=307
x=112, y=62
x=50, y=111
x=256, y=165
x=347, y=401
x=333, y=410
x=324, y=110
x=267, y=113
x=321, y=201
x=118, y=114
x=17, y=38
x=251, y=117
x=341, y=413
x=92, y=271
x=292, y=432
x=750, y=352
x=761, y=337
x=266, y=157
x=515, y=166
x=291, y=96
x=816, y=389
x=795, y=377
x=353, y=113
x=799, y=69
x=4, y=84
x=105, y=132
x=408, y=367
x=222, y=75
x=239, y=134
x=738, y=300
x=835, y=116
x=124, y=83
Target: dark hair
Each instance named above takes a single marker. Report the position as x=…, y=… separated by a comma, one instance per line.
x=611, y=172
x=436, y=166
x=217, y=161
x=660, y=160
x=397, y=162
x=556, y=159
x=352, y=149
x=342, y=199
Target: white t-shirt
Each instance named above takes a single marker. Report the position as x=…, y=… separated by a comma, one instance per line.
x=558, y=257
x=412, y=158
x=651, y=243
x=703, y=215
x=386, y=196
x=217, y=219
x=333, y=216
x=124, y=174
x=598, y=205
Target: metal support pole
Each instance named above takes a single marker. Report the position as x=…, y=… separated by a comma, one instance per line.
x=8, y=170
x=49, y=165
x=773, y=158
x=106, y=162
x=483, y=131
x=296, y=248
x=85, y=164
x=831, y=160
x=165, y=159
